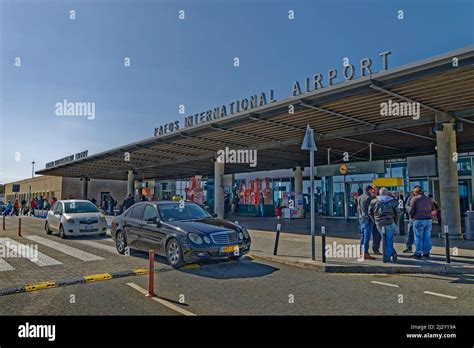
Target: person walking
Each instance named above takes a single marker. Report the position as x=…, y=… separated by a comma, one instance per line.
x=8, y=209
x=23, y=206
x=385, y=214
x=111, y=205
x=16, y=207
x=105, y=205
x=411, y=235
x=421, y=208
x=40, y=203
x=365, y=223
x=261, y=203
x=236, y=202
x=33, y=206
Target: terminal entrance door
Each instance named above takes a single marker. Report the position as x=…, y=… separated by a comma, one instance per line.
x=465, y=193
x=353, y=190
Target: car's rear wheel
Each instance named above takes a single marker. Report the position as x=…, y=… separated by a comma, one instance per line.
x=62, y=234
x=174, y=253
x=46, y=227
x=120, y=242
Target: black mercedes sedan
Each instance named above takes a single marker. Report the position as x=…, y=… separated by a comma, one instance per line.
x=182, y=231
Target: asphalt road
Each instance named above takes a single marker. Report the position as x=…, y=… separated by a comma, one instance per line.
x=253, y=288
x=245, y=287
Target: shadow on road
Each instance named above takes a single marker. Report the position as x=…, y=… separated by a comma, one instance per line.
x=232, y=270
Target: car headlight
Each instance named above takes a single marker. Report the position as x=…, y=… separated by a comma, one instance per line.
x=245, y=232
x=195, y=238
x=241, y=236
x=70, y=220
x=207, y=240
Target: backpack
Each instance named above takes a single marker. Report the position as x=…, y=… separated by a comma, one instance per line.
x=383, y=208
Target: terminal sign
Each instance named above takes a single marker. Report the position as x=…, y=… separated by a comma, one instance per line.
x=317, y=81
x=67, y=159
x=219, y=112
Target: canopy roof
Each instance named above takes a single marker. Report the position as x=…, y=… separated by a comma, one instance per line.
x=346, y=117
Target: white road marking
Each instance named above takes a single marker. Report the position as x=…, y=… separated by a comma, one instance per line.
x=168, y=304
x=5, y=266
x=98, y=245
x=440, y=295
x=29, y=253
x=386, y=284
x=78, y=254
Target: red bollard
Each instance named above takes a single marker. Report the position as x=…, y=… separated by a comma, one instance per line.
x=4, y=223
x=151, y=274
x=19, y=228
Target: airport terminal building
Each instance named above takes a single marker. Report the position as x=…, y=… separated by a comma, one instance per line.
x=395, y=127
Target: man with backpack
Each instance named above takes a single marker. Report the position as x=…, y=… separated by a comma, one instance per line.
x=385, y=213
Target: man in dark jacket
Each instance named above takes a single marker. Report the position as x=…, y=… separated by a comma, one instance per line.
x=420, y=212
x=385, y=213
x=365, y=223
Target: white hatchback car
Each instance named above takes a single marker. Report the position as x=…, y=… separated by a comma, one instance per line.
x=75, y=217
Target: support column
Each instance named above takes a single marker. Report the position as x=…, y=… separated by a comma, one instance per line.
x=298, y=180
x=84, y=187
x=218, y=189
x=448, y=175
x=130, y=183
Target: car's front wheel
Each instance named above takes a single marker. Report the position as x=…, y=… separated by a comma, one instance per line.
x=62, y=234
x=174, y=253
x=120, y=242
x=46, y=227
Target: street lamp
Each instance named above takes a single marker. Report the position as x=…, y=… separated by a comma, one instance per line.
x=309, y=144
x=33, y=169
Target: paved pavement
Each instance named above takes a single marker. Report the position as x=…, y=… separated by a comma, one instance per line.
x=342, y=241
x=245, y=287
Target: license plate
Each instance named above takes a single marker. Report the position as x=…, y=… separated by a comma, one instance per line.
x=229, y=249
x=88, y=228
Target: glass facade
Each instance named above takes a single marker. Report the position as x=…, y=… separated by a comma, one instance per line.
x=335, y=196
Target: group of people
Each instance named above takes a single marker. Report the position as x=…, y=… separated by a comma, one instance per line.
x=23, y=208
x=379, y=213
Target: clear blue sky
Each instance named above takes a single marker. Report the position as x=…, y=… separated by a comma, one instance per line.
x=186, y=62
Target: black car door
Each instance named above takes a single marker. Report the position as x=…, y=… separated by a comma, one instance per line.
x=132, y=226
x=151, y=236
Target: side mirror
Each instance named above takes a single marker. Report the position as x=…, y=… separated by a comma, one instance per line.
x=214, y=215
x=159, y=223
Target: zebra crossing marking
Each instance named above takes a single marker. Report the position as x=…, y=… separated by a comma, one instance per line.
x=78, y=254
x=29, y=253
x=5, y=266
x=97, y=245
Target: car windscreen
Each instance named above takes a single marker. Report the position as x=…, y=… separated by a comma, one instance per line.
x=178, y=212
x=80, y=207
